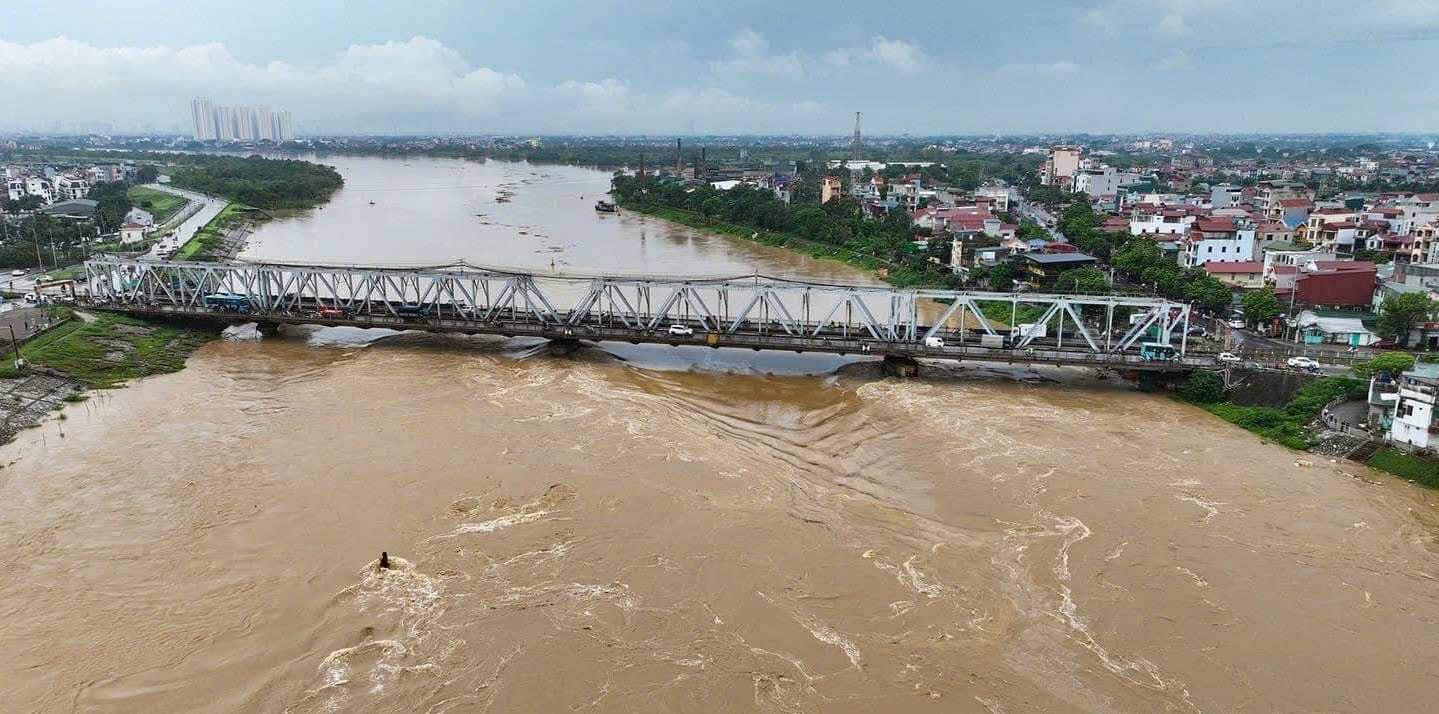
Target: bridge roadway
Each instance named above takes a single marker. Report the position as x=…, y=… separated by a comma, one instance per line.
x=748, y=312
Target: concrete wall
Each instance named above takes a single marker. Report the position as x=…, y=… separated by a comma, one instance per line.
x=1267, y=389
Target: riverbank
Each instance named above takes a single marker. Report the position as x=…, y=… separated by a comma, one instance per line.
x=102, y=351
x=1293, y=425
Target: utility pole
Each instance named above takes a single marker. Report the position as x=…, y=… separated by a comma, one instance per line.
x=857, y=144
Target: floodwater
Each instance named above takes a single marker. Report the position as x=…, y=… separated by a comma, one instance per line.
x=636, y=529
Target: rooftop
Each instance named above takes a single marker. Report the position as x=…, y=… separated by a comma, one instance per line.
x=1059, y=258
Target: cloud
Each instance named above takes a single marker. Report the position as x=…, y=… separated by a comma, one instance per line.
x=894, y=54
x=715, y=109
x=1061, y=67
x=362, y=87
x=751, y=57
x=901, y=55
x=607, y=96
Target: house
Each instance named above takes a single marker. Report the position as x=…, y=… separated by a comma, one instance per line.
x=140, y=216
x=1334, y=328
x=132, y=233
x=1040, y=270
x=1217, y=239
x=830, y=188
x=1412, y=424
x=1335, y=283
x=1292, y=212
x=1244, y=275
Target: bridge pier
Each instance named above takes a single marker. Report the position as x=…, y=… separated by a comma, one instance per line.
x=562, y=346
x=268, y=329
x=900, y=366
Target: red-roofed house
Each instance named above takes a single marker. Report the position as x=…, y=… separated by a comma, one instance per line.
x=1336, y=283
x=1244, y=275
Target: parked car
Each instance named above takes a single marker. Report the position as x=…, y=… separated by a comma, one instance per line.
x=45, y=278
x=1229, y=358
x=934, y=342
x=1302, y=363
x=1236, y=324
x=1385, y=345
x=681, y=330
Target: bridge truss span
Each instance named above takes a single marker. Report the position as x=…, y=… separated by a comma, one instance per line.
x=756, y=307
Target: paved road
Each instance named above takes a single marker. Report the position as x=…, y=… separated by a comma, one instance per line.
x=185, y=232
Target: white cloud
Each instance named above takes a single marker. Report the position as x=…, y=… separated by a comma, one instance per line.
x=362, y=86
x=752, y=58
x=607, y=96
x=901, y=55
x=712, y=108
x=837, y=58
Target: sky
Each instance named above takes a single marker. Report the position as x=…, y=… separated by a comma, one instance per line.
x=732, y=67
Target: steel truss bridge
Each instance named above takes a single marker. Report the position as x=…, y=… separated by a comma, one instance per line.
x=756, y=312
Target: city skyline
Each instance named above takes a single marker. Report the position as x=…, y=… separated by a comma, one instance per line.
x=219, y=122
x=1026, y=67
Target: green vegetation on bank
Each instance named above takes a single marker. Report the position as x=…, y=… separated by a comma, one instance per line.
x=1285, y=426
x=210, y=238
x=109, y=349
x=160, y=204
x=837, y=229
x=1407, y=466
x=263, y=183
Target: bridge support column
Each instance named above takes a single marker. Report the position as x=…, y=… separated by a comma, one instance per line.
x=563, y=346
x=268, y=329
x=899, y=366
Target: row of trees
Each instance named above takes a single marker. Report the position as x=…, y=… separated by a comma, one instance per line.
x=259, y=182
x=839, y=223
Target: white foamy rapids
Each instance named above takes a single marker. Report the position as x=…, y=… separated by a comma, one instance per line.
x=401, y=592
x=495, y=524
x=1211, y=508
x=821, y=632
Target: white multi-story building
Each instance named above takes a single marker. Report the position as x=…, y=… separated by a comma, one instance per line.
x=1414, y=410
x=202, y=116
x=15, y=188
x=999, y=196
x=68, y=186
x=1217, y=240
x=37, y=186
x=1102, y=180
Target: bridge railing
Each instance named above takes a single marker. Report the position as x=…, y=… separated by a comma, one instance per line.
x=724, y=305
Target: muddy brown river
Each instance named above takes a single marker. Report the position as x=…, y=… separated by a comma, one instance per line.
x=652, y=529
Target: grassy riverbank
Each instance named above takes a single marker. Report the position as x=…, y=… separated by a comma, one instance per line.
x=160, y=204
x=106, y=350
x=210, y=239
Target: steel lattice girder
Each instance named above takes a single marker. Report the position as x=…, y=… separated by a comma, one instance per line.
x=719, y=305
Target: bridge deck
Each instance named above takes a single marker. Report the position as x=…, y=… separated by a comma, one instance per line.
x=835, y=342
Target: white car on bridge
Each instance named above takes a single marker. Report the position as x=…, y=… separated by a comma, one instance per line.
x=1302, y=362
x=681, y=330
x=1229, y=358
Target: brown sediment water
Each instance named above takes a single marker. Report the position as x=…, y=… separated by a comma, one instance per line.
x=633, y=528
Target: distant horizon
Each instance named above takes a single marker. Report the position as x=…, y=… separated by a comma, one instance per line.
x=605, y=68
x=756, y=135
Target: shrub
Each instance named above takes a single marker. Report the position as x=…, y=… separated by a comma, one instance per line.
x=1203, y=388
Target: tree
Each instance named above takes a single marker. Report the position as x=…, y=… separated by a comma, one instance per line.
x=1261, y=306
x=1001, y=278
x=1203, y=388
x=1390, y=363
x=146, y=174
x=1088, y=281
x=1399, y=313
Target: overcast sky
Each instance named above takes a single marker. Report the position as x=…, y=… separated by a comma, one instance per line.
x=737, y=66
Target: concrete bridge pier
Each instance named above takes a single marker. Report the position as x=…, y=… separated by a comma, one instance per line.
x=900, y=366
x=562, y=346
x=268, y=329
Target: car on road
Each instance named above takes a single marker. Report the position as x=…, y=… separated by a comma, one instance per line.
x=1302, y=363
x=1385, y=345
x=17, y=272
x=1229, y=358
x=935, y=342
x=331, y=312
x=1236, y=324
x=681, y=330
x=44, y=279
